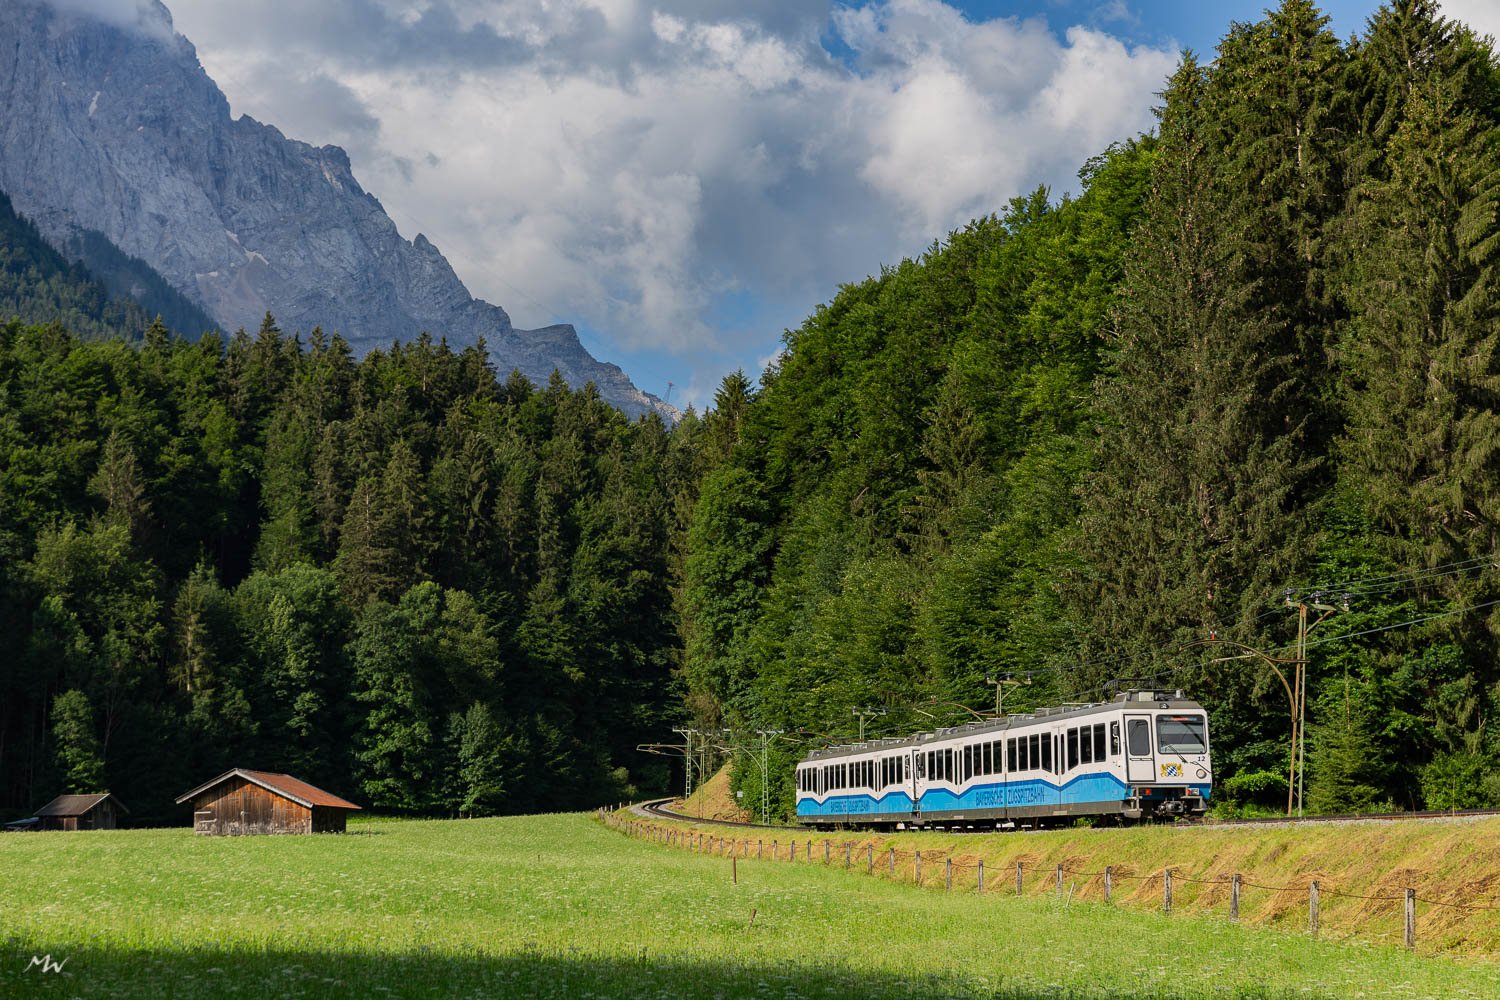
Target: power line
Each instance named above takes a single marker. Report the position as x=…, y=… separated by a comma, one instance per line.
x=1414, y=621
x=1394, y=581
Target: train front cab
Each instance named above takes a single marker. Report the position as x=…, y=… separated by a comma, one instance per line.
x=1167, y=768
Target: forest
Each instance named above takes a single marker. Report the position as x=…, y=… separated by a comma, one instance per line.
x=1112, y=439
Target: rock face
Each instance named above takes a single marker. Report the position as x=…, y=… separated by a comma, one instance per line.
x=116, y=128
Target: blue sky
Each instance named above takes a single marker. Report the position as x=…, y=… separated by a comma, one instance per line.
x=684, y=179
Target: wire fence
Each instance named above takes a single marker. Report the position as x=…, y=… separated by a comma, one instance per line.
x=941, y=866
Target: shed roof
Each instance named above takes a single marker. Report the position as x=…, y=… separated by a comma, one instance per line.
x=284, y=785
x=77, y=805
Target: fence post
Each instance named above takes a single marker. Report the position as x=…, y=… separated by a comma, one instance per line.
x=1018, y=878
x=1312, y=907
x=870, y=857
x=1109, y=882
x=981, y=877
x=791, y=850
x=917, y=877
x=948, y=875
x=1059, y=882
x=760, y=849
x=773, y=850
x=826, y=849
x=893, y=861
x=1166, y=890
x=1234, y=896
x=848, y=850
x=1411, y=919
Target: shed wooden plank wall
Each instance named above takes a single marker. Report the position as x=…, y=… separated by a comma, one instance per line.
x=101, y=817
x=238, y=807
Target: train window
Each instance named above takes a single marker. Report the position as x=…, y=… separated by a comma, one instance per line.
x=1034, y=757
x=987, y=760
x=969, y=761
x=1138, y=738
x=1046, y=753
x=1010, y=754
x=1114, y=739
x=1072, y=749
x=1099, y=742
x=1181, y=734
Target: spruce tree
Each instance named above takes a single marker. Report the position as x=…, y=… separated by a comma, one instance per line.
x=1191, y=517
x=1422, y=362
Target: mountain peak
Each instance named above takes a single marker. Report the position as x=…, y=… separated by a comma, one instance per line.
x=104, y=128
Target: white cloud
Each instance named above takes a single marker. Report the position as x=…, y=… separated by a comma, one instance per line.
x=147, y=16
x=631, y=163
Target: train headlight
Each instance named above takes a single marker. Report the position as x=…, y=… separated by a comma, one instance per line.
x=1202, y=774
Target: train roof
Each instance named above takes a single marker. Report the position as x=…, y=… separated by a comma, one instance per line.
x=1139, y=698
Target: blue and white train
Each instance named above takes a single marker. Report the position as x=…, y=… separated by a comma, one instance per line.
x=1142, y=756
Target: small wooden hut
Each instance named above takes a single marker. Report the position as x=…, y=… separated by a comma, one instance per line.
x=243, y=802
x=96, y=811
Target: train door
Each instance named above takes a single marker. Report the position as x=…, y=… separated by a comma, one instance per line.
x=1140, y=762
x=1059, y=761
x=918, y=766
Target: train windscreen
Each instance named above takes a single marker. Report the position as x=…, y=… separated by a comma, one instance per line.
x=1181, y=734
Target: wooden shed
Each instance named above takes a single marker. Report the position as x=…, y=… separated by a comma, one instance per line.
x=243, y=802
x=96, y=811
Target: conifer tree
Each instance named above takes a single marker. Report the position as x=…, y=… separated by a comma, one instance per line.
x=1422, y=363
x=1191, y=519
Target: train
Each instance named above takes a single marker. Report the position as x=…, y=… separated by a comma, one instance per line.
x=1141, y=757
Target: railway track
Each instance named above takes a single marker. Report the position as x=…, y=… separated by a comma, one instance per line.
x=657, y=809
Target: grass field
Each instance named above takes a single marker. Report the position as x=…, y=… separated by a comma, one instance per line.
x=560, y=906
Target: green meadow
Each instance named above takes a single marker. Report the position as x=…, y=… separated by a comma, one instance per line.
x=560, y=906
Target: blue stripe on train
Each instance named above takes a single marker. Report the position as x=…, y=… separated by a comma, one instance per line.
x=1098, y=787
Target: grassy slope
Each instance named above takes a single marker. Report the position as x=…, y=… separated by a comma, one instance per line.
x=562, y=907
x=1452, y=861
x=713, y=799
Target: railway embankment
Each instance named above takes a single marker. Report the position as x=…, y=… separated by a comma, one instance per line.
x=1376, y=880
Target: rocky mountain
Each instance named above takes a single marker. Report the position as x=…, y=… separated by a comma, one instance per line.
x=116, y=129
